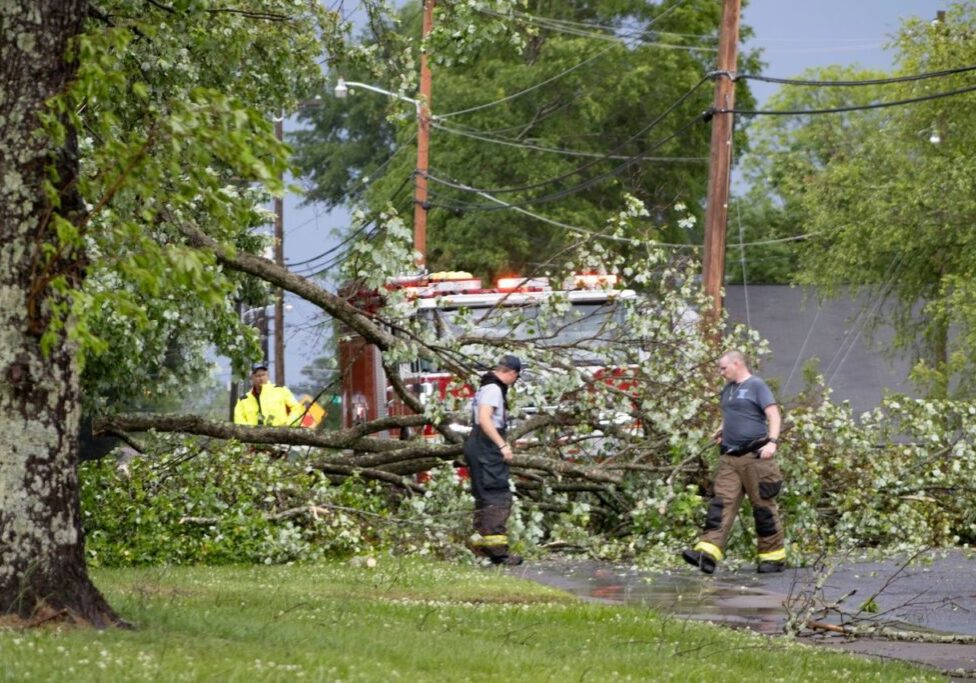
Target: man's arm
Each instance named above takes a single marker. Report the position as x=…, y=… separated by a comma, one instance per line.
x=240, y=413
x=488, y=427
x=293, y=409
x=773, y=421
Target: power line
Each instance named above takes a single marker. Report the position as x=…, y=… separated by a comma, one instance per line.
x=509, y=142
x=356, y=233
x=617, y=148
x=838, y=110
x=526, y=90
x=585, y=24
x=361, y=184
x=742, y=262
x=897, y=262
x=613, y=34
x=856, y=83
x=570, y=190
x=629, y=240
x=544, y=219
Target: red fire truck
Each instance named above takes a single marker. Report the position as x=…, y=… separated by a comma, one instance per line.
x=443, y=297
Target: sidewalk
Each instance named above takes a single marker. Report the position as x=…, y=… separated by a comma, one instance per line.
x=938, y=595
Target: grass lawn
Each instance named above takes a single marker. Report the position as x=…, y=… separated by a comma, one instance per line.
x=406, y=619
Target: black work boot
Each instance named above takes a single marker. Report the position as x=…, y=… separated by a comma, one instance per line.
x=507, y=560
x=476, y=548
x=700, y=559
x=770, y=567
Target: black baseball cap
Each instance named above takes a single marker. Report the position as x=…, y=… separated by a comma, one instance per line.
x=259, y=366
x=512, y=363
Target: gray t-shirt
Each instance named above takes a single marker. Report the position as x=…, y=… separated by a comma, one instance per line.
x=489, y=395
x=744, y=412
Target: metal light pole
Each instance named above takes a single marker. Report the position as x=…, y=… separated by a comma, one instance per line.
x=279, y=257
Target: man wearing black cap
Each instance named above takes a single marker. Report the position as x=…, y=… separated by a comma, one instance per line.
x=488, y=455
x=266, y=405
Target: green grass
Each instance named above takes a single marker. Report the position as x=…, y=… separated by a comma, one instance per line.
x=406, y=619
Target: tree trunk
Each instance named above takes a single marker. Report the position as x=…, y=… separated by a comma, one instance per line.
x=42, y=561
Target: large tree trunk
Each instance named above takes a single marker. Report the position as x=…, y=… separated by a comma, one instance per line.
x=42, y=562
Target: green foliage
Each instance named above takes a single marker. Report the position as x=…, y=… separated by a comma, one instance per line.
x=172, y=106
x=886, y=210
x=187, y=503
x=599, y=98
x=898, y=478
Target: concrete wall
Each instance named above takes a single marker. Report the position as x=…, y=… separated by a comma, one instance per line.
x=799, y=327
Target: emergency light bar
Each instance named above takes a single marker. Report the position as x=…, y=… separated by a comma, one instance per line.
x=514, y=284
x=591, y=281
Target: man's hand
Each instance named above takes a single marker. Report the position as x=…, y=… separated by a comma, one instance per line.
x=507, y=454
x=717, y=435
x=767, y=451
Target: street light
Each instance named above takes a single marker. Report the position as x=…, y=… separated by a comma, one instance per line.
x=424, y=118
x=342, y=91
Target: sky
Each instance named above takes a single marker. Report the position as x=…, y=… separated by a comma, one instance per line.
x=794, y=35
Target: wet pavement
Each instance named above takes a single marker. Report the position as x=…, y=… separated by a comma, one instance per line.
x=936, y=595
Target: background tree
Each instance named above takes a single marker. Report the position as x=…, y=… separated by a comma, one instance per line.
x=887, y=210
x=553, y=107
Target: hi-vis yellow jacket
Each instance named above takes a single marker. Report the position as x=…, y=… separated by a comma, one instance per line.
x=276, y=407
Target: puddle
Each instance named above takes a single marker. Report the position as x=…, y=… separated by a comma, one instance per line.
x=938, y=596
x=684, y=596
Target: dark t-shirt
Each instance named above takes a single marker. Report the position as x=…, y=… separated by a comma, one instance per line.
x=743, y=412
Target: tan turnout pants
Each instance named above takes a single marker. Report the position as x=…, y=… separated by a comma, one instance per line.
x=738, y=476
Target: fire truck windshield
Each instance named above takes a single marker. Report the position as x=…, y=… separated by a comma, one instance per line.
x=586, y=328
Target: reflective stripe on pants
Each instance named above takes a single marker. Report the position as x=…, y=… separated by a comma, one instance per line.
x=737, y=477
x=490, y=488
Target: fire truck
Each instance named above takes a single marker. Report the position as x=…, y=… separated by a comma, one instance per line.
x=441, y=299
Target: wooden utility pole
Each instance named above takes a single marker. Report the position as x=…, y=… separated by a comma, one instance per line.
x=720, y=158
x=423, y=144
x=279, y=257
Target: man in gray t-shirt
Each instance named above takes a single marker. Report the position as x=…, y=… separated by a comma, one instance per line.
x=488, y=454
x=490, y=395
x=748, y=440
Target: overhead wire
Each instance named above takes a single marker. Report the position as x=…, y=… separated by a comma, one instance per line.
x=547, y=81
x=742, y=262
x=542, y=183
x=838, y=110
x=361, y=183
x=531, y=88
x=508, y=142
x=856, y=83
x=595, y=25
x=545, y=219
x=863, y=316
x=586, y=31
x=589, y=182
x=358, y=232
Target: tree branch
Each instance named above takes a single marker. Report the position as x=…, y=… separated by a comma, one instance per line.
x=276, y=275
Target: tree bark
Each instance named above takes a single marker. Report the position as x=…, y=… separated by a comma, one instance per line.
x=42, y=561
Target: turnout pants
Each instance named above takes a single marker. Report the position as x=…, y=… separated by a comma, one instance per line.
x=738, y=476
x=492, y=495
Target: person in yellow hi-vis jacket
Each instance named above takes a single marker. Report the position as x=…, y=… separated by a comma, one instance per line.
x=748, y=441
x=267, y=405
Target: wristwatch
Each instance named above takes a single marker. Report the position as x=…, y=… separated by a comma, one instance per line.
x=775, y=441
